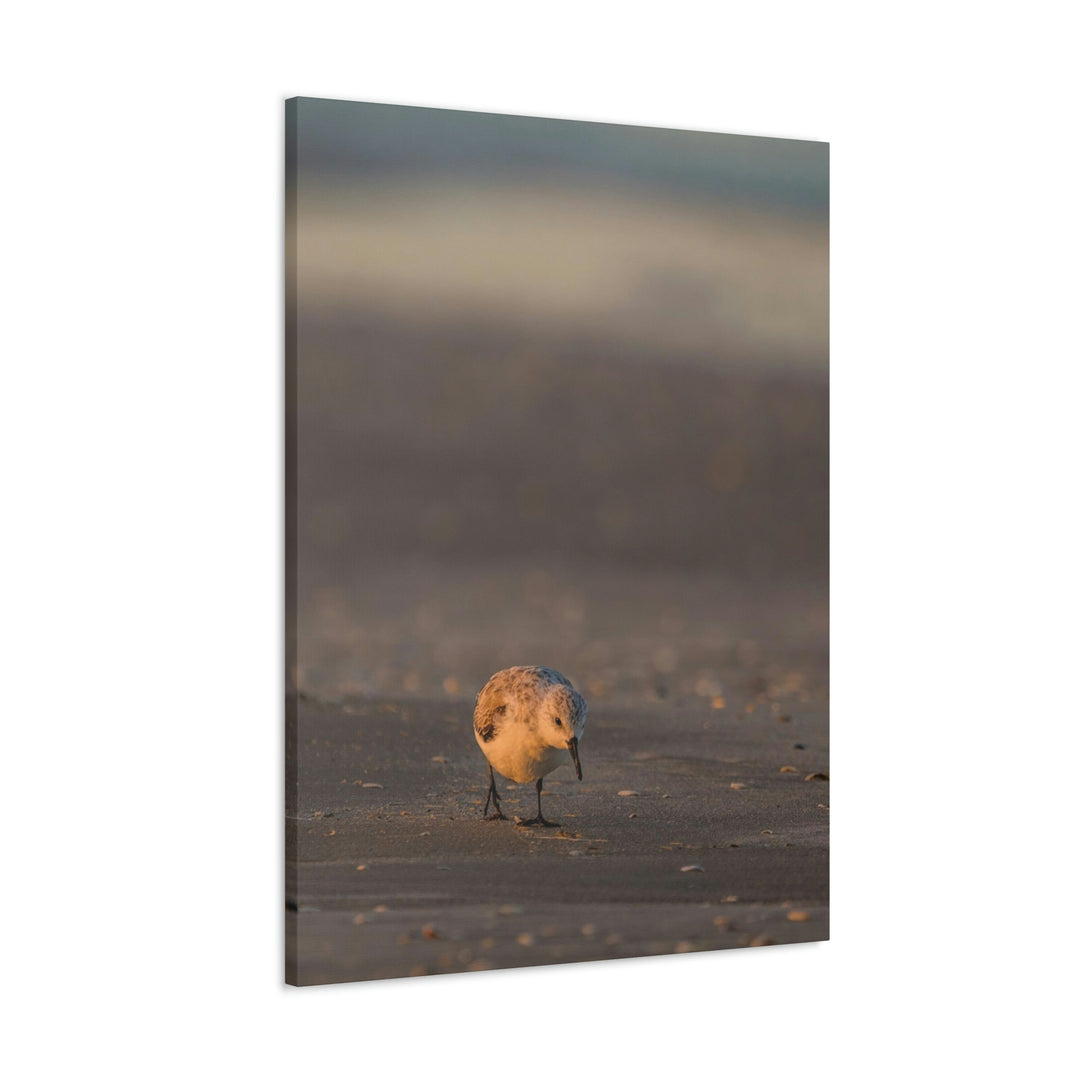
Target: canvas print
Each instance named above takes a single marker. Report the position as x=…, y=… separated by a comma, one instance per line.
x=557, y=486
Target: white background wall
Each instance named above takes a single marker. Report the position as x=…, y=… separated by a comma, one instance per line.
x=142, y=441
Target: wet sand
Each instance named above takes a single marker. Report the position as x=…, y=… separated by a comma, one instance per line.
x=397, y=874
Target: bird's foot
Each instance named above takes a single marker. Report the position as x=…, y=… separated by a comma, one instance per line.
x=539, y=820
x=497, y=816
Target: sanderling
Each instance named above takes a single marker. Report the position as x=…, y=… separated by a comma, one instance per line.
x=525, y=718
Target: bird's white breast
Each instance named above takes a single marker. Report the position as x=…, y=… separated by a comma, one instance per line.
x=519, y=755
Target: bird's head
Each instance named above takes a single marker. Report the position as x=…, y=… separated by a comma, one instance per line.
x=562, y=722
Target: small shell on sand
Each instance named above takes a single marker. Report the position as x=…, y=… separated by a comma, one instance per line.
x=798, y=916
x=628, y=792
x=737, y=787
x=693, y=868
x=788, y=768
x=818, y=776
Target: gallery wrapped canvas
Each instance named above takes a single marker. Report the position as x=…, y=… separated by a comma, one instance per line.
x=557, y=541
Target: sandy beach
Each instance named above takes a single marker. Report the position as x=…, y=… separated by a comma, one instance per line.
x=662, y=541
x=677, y=578
x=398, y=874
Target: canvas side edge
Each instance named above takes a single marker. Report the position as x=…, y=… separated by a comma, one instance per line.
x=291, y=711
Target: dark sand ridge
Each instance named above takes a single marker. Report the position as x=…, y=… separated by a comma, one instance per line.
x=461, y=442
x=396, y=787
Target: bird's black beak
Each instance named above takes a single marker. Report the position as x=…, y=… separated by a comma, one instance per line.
x=572, y=747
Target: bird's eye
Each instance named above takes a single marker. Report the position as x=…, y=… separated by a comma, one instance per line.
x=558, y=721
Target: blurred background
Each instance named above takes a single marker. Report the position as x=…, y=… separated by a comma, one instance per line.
x=561, y=398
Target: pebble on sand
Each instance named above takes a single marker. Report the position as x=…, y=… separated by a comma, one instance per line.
x=429, y=931
x=737, y=787
x=798, y=916
x=628, y=792
x=525, y=939
x=722, y=922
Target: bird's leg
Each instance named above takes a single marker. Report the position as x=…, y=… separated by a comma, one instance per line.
x=539, y=819
x=493, y=796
